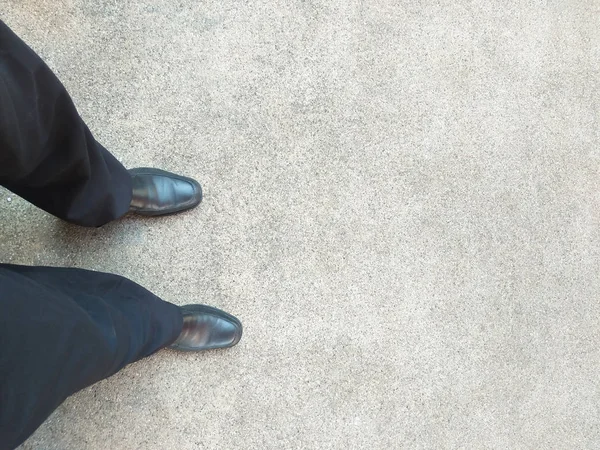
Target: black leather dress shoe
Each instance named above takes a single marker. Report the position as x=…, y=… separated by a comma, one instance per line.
x=205, y=328
x=157, y=192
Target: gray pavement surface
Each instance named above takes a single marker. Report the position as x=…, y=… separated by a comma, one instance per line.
x=402, y=206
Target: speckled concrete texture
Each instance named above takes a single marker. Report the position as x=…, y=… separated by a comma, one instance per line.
x=402, y=204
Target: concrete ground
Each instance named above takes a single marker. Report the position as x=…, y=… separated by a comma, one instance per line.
x=402, y=206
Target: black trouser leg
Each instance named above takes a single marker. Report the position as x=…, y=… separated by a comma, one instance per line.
x=47, y=154
x=64, y=329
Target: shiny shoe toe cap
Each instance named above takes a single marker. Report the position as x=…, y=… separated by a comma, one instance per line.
x=158, y=192
x=205, y=328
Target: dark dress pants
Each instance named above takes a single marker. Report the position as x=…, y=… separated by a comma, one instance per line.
x=62, y=329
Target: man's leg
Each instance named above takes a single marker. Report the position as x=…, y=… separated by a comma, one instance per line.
x=64, y=329
x=47, y=153
x=49, y=157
